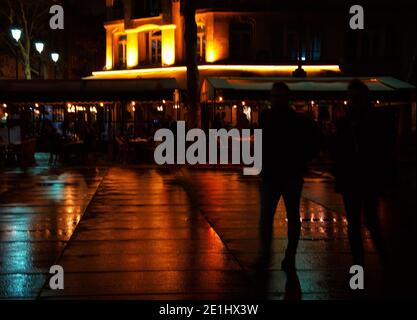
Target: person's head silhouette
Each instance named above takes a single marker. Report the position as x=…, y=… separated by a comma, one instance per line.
x=359, y=97
x=280, y=96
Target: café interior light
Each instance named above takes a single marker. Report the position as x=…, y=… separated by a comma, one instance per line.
x=4, y=105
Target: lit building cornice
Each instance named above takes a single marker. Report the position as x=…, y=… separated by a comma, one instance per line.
x=219, y=68
x=151, y=27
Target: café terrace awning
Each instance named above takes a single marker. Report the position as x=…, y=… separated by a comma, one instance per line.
x=233, y=88
x=50, y=91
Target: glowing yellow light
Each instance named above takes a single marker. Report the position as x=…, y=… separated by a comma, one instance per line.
x=36, y=105
x=243, y=103
x=151, y=27
x=269, y=68
x=345, y=103
x=133, y=109
x=168, y=47
x=221, y=99
x=133, y=103
x=210, y=55
x=132, y=50
x=4, y=105
x=69, y=105
x=109, y=49
x=235, y=107
x=163, y=101
x=101, y=104
x=248, y=68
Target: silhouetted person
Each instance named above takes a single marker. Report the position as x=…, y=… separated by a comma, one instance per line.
x=242, y=120
x=217, y=122
x=364, y=166
x=290, y=140
x=223, y=121
x=54, y=145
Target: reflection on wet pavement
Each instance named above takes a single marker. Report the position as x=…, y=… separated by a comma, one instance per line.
x=140, y=238
x=39, y=211
x=230, y=202
x=136, y=233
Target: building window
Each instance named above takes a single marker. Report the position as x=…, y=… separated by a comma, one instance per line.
x=201, y=43
x=315, y=48
x=121, y=51
x=154, y=48
x=372, y=44
x=240, y=44
x=304, y=45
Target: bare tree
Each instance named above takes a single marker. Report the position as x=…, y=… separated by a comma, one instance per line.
x=193, y=79
x=31, y=17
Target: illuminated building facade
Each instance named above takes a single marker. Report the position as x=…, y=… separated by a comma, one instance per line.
x=145, y=38
x=249, y=39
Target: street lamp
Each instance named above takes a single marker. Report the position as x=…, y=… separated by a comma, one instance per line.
x=55, y=58
x=39, y=46
x=16, y=35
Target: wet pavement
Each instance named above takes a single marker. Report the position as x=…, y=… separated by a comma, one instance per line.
x=39, y=211
x=150, y=233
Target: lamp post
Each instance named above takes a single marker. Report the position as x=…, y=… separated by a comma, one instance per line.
x=39, y=46
x=55, y=58
x=16, y=35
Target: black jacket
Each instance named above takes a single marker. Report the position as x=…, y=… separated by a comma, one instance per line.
x=290, y=140
x=364, y=152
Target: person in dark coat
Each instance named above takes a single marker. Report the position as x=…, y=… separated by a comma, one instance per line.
x=290, y=140
x=364, y=154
